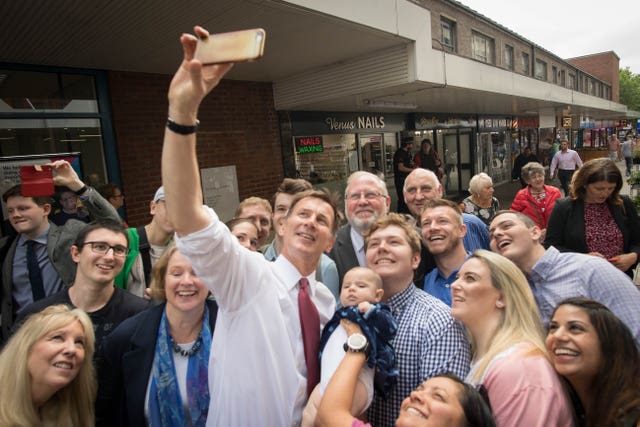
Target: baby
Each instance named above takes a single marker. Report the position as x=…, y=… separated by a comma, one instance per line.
x=360, y=296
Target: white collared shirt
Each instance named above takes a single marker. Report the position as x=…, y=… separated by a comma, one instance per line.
x=257, y=369
x=358, y=245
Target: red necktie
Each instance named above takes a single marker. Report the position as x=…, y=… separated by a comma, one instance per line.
x=310, y=325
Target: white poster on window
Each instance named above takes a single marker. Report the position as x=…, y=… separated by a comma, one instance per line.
x=220, y=189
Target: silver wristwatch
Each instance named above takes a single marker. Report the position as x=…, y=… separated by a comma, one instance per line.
x=357, y=343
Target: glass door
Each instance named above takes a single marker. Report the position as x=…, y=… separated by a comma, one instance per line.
x=372, y=154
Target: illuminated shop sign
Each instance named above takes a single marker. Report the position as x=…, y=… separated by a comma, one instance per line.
x=309, y=144
x=359, y=122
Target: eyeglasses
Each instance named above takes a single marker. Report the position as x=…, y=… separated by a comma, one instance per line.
x=102, y=248
x=368, y=196
x=117, y=196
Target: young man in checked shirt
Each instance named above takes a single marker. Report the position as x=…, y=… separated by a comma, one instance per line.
x=429, y=341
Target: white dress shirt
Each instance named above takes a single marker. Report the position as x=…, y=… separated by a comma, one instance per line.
x=358, y=246
x=257, y=368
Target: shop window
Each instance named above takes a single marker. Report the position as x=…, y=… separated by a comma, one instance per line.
x=53, y=112
x=333, y=164
x=20, y=137
x=448, y=38
x=508, y=57
x=526, y=70
x=541, y=70
x=483, y=48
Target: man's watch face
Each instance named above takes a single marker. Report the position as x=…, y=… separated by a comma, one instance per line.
x=357, y=341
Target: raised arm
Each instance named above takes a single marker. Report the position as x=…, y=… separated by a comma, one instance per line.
x=98, y=206
x=180, y=172
x=335, y=406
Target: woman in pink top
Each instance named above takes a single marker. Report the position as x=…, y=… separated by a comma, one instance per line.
x=492, y=298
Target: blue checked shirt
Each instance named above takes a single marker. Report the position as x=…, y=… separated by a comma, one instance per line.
x=560, y=275
x=428, y=342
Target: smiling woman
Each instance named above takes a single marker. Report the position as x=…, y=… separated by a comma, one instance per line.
x=596, y=353
x=150, y=358
x=45, y=370
x=443, y=400
x=492, y=298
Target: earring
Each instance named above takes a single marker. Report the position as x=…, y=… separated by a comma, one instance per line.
x=499, y=304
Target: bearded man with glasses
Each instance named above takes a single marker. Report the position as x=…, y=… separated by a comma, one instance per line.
x=365, y=200
x=99, y=251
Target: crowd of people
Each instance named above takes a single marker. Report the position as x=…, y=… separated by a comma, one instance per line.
x=451, y=312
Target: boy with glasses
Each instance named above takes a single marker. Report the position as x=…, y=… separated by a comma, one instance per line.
x=99, y=252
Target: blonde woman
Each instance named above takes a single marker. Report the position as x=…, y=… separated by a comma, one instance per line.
x=156, y=363
x=492, y=298
x=46, y=374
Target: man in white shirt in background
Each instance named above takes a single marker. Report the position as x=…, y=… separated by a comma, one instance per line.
x=564, y=164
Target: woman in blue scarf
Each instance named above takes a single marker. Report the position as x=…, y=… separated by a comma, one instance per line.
x=154, y=366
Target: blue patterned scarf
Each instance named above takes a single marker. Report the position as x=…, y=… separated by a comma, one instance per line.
x=165, y=404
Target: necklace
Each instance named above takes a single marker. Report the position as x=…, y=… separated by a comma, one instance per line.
x=187, y=353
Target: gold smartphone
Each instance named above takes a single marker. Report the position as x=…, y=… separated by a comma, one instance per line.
x=235, y=46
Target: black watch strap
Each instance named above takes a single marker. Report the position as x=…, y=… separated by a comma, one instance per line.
x=181, y=129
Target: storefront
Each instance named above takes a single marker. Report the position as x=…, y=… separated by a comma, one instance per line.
x=525, y=134
x=453, y=137
x=325, y=148
x=493, y=152
x=56, y=110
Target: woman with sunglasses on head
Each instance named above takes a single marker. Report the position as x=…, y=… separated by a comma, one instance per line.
x=595, y=352
x=46, y=374
x=156, y=363
x=492, y=298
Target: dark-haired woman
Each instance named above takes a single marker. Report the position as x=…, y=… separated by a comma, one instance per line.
x=441, y=400
x=427, y=158
x=596, y=219
x=595, y=352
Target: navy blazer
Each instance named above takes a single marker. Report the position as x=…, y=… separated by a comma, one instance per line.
x=125, y=367
x=343, y=252
x=566, y=231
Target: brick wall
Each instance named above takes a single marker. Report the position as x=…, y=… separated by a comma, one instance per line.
x=238, y=126
x=605, y=66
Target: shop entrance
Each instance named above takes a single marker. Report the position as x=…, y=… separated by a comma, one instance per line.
x=455, y=146
x=494, y=156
